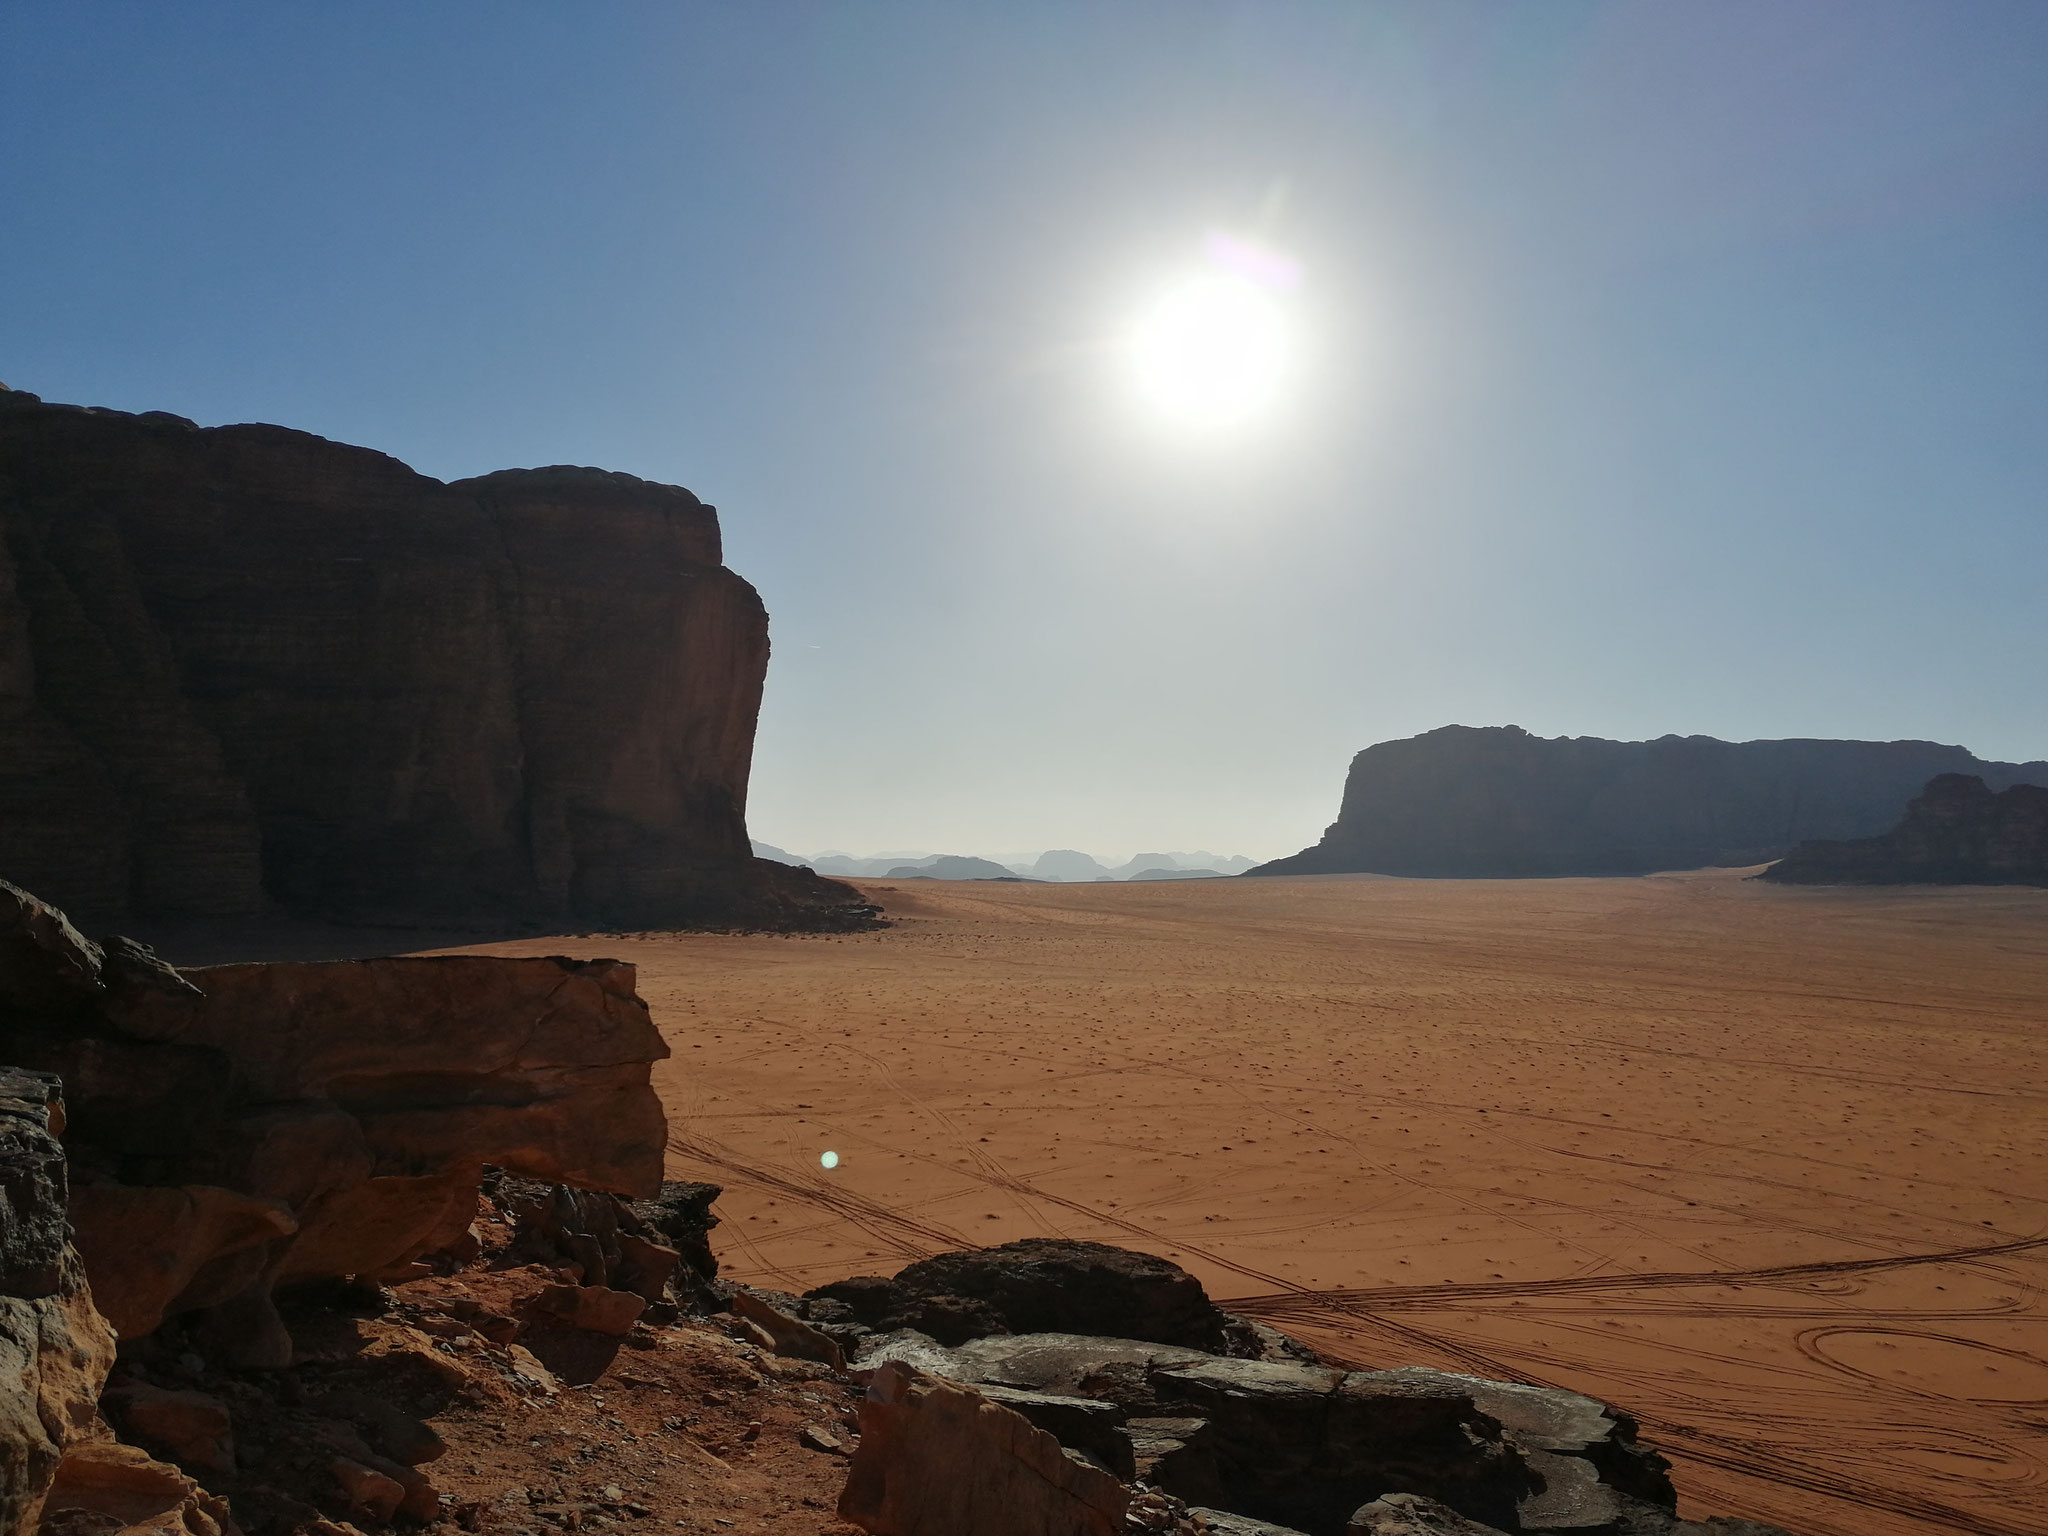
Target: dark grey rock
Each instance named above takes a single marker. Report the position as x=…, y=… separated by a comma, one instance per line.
x=33, y=1185
x=1222, y=1522
x=1177, y=1455
x=1078, y=1423
x=1054, y=1285
x=869, y=1299
x=1068, y=1363
x=917, y=1350
x=1553, y=1420
x=1422, y=1432
x=1410, y=1514
x=1639, y=1519
x=1571, y=1497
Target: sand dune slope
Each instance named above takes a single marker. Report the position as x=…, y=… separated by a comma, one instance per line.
x=1768, y=1166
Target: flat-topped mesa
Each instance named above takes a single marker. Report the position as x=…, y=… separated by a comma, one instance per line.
x=1957, y=831
x=1497, y=802
x=246, y=668
x=234, y=1128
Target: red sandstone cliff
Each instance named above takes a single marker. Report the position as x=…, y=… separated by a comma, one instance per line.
x=245, y=666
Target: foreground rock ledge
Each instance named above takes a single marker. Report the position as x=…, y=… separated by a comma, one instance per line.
x=239, y=1127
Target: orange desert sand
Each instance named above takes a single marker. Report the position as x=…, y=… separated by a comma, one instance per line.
x=1767, y=1166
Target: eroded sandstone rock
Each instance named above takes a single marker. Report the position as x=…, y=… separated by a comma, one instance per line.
x=593, y=1308
x=245, y=667
x=194, y=1429
x=55, y=1349
x=938, y=1459
x=122, y=1490
x=234, y=1128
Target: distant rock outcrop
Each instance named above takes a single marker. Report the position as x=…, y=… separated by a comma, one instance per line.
x=1067, y=864
x=952, y=866
x=246, y=668
x=1498, y=802
x=1957, y=831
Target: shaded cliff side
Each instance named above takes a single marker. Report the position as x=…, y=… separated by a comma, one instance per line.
x=1957, y=831
x=1497, y=802
x=245, y=668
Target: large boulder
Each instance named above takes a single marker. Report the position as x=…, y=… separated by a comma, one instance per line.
x=237, y=1127
x=55, y=1349
x=112, y=1489
x=939, y=1459
x=1319, y=1450
x=246, y=668
x=1039, y=1285
x=1409, y=1514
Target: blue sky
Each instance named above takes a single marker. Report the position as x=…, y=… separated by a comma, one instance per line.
x=1661, y=367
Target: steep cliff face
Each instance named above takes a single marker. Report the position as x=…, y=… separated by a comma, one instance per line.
x=1498, y=802
x=243, y=666
x=1957, y=831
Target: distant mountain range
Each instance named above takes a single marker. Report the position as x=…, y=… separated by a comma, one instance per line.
x=1056, y=865
x=1498, y=802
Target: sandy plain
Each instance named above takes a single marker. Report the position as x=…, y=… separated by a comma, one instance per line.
x=1768, y=1167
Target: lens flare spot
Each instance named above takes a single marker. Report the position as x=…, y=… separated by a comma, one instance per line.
x=828, y=1159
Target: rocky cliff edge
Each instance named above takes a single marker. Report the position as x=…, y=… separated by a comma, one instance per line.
x=245, y=668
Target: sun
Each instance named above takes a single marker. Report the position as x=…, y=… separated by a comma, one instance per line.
x=1212, y=350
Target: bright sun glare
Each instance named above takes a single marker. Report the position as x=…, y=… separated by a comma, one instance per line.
x=1212, y=350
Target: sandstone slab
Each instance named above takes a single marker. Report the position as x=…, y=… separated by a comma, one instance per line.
x=132, y=1493
x=1409, y=1514
x=938, y=1459
x=593, y=1308
x=240, y=1127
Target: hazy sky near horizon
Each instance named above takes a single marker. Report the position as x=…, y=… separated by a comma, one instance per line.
x=1652, y=367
